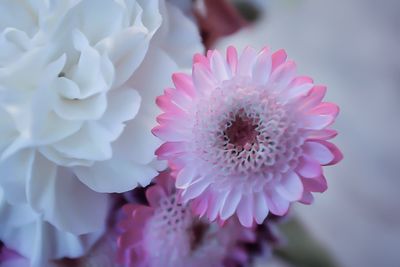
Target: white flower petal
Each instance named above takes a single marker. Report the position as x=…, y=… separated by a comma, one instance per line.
x=14, y=174
x=115, y=176
x=24, y=231
x=49, y=192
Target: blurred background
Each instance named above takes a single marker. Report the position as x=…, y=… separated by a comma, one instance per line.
x=352, y=46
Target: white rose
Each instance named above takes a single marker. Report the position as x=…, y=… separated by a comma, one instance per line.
x=78, y=81
x=26, y=232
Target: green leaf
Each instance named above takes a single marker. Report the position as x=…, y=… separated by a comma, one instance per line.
x=301, y=249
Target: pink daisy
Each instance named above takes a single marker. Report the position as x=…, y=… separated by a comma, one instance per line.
x=246, y=135
x=166, y=234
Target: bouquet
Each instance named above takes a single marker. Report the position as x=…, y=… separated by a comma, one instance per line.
x=127, y=140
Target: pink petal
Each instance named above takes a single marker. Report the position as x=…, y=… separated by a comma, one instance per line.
x=200, y=206
x=309, y=167
x=141, y=215
x=182, y=100
x=166, y=132
x=130, y=238
x=326, y=108
x=260, y=207
x=232, y=59
x=219, y=67
x=246, y=61
x=175, y=116
x=278, y=58
x=167, y=182
x=299, y=86
x=185, y=177
x=290, y=187
x=154, y=194
x=307, y=198
x=194, y=190
x=316, y=184
x=215, y=203
x=313, y=98
x=170, y=149
x=129, y=209
x=164, y=102
x=277, y=204
x=284, y=74
x=301, y=80
x=201, y=59
x=177, y=121
x=318, y=151
x=231, y=204
x=263, y=66
x=337, y=154
x=324, y=134
x=317, y=122
x=245, y=210
x=203, y=79
x=184, y=83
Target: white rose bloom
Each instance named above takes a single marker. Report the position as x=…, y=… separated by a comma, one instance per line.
x=78, y=81
x=24, y=231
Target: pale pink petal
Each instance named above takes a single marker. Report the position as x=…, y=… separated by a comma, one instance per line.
x=232, y=59
x=313, y=98
x=263, y=66
x=195, y=189
x=338, y=156
x=299, y=86
x=185, y=177
x=201, y=59
x=245, y=210
x=203, y=79
x=326, y=108
x=260, y=207
x=246, y=61
x=278, y=58
x=324, y=134
x=276, y=204
x=183, y=101
x=219, y=67
x=231, y=204
x=165, y=132
x=317, y=122
x=283, y=75
x=164, y=102
x=309, y=167
x=200, y=206
x=290, y=187
x=316, y=184
x=307, y=198
x=318, y=151
x=184, y=84
x=216, y=202
x=169, y=149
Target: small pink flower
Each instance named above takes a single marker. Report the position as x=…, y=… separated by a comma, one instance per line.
x=166, y=234
x=10, y=258
x=246, y=135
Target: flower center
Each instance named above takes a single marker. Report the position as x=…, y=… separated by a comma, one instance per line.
x=242, y=132
x=173, y=216
x=197, y=232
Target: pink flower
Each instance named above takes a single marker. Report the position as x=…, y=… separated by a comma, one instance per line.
x=246, y=135
x=10, y=258
x=166, y=234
